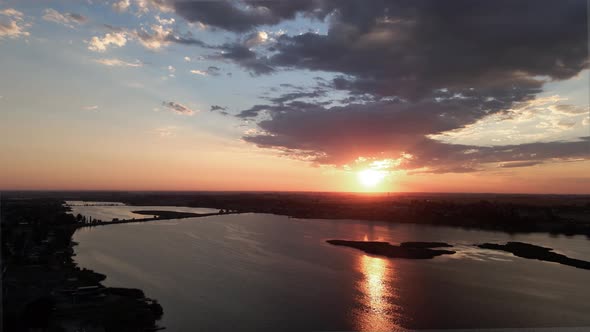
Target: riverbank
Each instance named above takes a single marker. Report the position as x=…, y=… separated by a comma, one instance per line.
x=43, y=288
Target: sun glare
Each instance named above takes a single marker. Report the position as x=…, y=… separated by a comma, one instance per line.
x=370, y=177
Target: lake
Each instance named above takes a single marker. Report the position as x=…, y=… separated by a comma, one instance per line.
x=107, y=211
x=267, y=273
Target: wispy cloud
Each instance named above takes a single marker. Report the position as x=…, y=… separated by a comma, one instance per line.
x=67, y=19
x=114, y=62
x=178, y=108
x=11, y=12
x=90, y=108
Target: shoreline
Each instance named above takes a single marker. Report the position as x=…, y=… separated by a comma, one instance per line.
x=44, y=288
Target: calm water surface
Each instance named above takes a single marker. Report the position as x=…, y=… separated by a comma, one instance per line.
x=267, y=272
x=106, y=211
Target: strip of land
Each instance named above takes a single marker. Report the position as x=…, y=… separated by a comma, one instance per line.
x=408, y=250
x=531, y=251
x=155, y=215
x=513, y=213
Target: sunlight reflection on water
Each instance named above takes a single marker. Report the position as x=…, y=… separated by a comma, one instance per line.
x=378, y=313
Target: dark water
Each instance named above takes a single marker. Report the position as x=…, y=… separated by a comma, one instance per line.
x=267, y=272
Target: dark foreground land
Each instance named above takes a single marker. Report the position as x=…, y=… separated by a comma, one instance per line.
x=531, y=251
x=556, y=214
x=408, y=250
x=44, y=290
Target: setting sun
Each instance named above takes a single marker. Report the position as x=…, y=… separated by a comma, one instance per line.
x=370, y=177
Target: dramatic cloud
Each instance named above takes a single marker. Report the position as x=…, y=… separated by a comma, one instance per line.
x=413, y=70
x=439, y=157
x=178, y=108
x=402, y=73
x=245, y=16
x=67, y=19
x=12, y=24
x=114, y=62
x=391, y=130
x=98, y=44
x=409, y=49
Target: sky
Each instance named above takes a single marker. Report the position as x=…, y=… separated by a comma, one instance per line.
x=306, y=95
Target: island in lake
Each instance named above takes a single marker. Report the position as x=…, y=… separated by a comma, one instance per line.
x=532, y=251
x=408, y=250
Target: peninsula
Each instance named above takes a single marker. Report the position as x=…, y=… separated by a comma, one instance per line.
x=531, y=251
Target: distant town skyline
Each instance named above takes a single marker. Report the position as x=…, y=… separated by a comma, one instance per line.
x=310, y=95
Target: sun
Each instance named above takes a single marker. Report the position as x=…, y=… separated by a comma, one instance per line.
x=370, y=177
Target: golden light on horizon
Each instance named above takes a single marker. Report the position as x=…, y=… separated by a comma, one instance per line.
x=370, y=177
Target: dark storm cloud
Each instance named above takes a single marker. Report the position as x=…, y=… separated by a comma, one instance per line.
x=343, y=133
x=339, y=135
x=409, y=48
x=254, y=111
x=440, y=157
x=412, y=69
x=297, y=95
x=246, y=58
x=243, y=16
